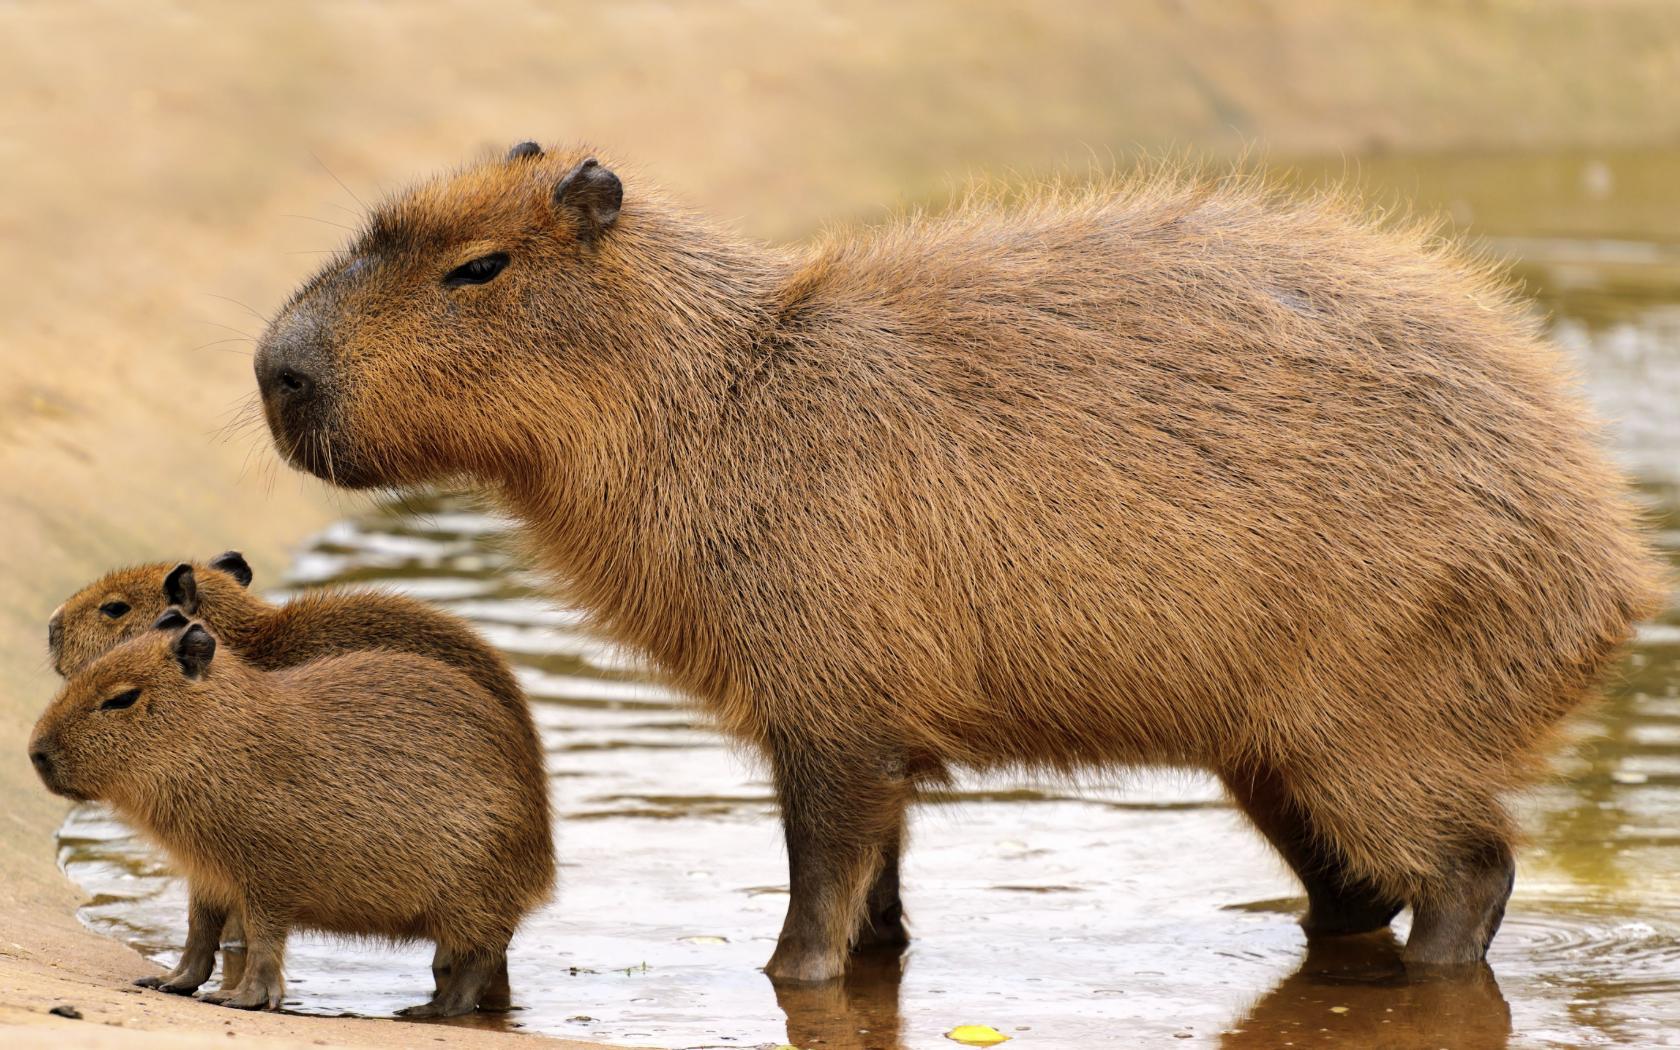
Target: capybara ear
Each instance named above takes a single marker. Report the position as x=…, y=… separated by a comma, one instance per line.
x=193, y=651
x=169, y=621
x=233, y=563
x=55, y=632
x=180, y=588
x=523, y=150
x=594, y=193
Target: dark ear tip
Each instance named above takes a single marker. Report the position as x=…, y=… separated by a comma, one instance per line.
x=523, y=150
x=170, y=620
x=234, y=564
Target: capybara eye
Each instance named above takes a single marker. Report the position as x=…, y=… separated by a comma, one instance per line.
x=478, y=271
x=120, y=701
x=114, y=609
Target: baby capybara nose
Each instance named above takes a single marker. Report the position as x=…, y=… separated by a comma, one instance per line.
x=42, y=763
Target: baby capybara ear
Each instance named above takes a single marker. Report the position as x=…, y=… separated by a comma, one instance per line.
x=180, y=589
x=169, y=621
x=593, y=193
x=233, y=563
x=523, y=150
x=194, y=650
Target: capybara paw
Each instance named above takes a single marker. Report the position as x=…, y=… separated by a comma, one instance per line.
x=151, y=980
x=794, y=964
x=434, y=1009
x=179, y=986
x=247, y=999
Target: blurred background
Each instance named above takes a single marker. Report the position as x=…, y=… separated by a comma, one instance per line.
x=170, y=171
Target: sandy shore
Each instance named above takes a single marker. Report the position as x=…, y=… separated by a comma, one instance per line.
x=163, y=191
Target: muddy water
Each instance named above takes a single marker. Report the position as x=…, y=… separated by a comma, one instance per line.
x=1142, y=912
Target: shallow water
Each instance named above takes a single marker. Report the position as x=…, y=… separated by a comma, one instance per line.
x=1126, y=914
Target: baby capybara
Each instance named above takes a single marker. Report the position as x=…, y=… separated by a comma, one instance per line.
x=1162, y=471
x=267, y=635
x=373, y=793
x=272, y=636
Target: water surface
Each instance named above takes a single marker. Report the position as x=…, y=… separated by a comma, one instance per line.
x=1130, y=913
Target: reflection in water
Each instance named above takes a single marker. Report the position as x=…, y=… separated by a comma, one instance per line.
x=1142, y=912
x=859, y=1013
x=1353, y=992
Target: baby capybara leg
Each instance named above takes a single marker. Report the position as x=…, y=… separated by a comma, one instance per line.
x=204, y=930
x=838, y=814
x=1456, y=914
x=263, y=984
x=473, y=973
x=1338, y=902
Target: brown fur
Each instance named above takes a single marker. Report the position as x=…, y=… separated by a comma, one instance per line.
x=1163, y=471
x=271, y=637
x=369, y=793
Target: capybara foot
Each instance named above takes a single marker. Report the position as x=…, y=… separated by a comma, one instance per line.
x=435, y=1008
x=469, y=979
x=797, y=963
x=1349, y=911
x=1454, y=922
x=248, y=996
x=498, y=997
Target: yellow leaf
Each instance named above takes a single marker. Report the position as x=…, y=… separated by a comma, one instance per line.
x=976, y=1035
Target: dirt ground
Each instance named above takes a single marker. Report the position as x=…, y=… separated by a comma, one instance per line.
x=169, y=170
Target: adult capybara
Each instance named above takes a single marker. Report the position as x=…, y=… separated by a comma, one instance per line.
x=373, y=793
x=1163, y=471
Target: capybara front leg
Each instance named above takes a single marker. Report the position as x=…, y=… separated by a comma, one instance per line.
x=204, y=929
x=883, y=917
x=1455, y=917
x=1338, y=903
x=837, y=817
x=263, y=984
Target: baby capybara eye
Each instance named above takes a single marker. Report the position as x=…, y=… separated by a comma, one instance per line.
x=114, y=610
x=121, y=700
x=478, y=271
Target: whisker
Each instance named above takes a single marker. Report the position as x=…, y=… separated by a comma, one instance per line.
x=341, y=185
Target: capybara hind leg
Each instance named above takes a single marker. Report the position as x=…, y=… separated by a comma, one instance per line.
x=263, y=984
x=883, y=924
x=472, y=974
x=1338, y=903
x=837, y=818
x=1455, y=916
x=204, y=928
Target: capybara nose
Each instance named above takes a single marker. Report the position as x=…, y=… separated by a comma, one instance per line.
x=42, y=763
x=294, y=384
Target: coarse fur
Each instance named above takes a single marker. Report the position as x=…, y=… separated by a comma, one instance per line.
x=270, y=636
x=1160, y=471
x=371, y=793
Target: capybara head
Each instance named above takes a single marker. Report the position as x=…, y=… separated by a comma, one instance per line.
x=411, y=356
x=116, y=717
x=124, y=603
